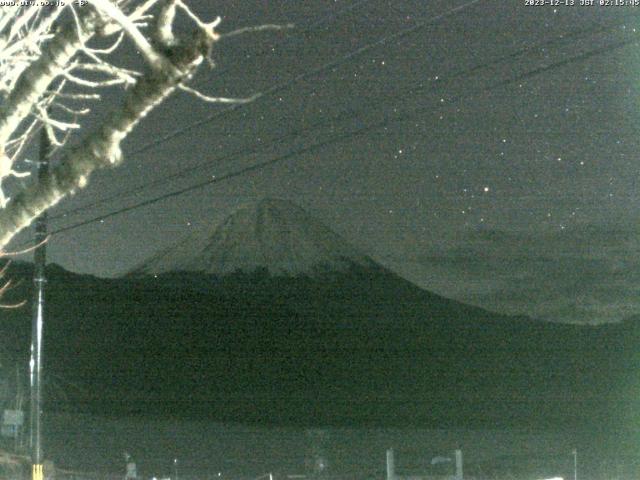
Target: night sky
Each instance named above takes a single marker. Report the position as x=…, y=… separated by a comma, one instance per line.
x=502, y=171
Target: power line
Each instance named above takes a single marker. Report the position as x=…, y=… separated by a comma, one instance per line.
x=345, y=114
x=303, y=76
x=344, y=136
x=328, y=18
x=234, y=154
x=563, y=38
x=332, y=16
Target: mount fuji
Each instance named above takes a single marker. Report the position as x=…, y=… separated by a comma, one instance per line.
x=274, y=235
x=272, y=317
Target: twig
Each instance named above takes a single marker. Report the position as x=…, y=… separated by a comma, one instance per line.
x=258, y=28
x=209, y=99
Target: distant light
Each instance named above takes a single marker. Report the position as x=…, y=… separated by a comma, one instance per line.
x=553, y=478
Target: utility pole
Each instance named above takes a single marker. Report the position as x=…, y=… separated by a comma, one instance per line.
x=391, y=465
x=459, y=474
x=37, y=320
x=575, y=464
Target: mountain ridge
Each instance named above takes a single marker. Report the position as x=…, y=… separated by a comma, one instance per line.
x=348, y=343
x=271, y=233
x=355, y=347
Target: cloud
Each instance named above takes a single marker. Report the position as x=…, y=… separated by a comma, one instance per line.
x=589, y=274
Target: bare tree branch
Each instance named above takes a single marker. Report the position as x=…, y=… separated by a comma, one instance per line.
x=128, y=26
x=36, y=79
x=51, y=65
x=103, y=147
x=207, y=98
x=258, y=28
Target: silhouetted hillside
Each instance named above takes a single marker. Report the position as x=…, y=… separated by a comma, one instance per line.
x=361, y=346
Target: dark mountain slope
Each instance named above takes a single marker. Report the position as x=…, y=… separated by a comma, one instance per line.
x=272, y=317
x=360, y=346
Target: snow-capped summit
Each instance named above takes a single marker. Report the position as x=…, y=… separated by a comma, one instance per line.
x=268, y=234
